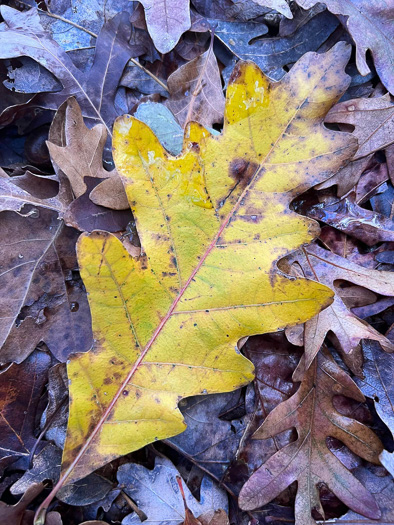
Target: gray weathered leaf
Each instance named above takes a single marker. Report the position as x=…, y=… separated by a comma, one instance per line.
x=370, y=22
x=272, y=54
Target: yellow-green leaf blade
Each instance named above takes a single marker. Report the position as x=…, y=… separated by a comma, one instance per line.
x=213, y=222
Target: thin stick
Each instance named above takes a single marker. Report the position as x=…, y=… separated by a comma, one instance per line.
x=140, y=513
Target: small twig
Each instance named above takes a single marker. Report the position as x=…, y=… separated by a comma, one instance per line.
x=140, y=513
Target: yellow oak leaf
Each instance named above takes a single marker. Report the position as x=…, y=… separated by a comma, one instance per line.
x=213, y=222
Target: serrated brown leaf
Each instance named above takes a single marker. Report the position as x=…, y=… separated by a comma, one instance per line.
x=308, y=460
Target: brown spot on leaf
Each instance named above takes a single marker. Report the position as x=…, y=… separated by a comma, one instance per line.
x=242, y=171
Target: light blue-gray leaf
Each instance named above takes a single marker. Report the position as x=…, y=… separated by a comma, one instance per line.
x=163, y=123
x=157, y=493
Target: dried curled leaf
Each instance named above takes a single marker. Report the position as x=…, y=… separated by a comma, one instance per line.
x=213, y=222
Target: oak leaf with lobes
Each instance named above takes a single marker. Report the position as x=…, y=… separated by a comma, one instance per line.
x=213, y=221
x=311, y=410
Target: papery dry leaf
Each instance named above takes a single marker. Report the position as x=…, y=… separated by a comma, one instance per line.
x=377, y=382
x=327, y=267
x=346, y=215
x=15, y=514
x=373, y=121
x=217, y=517
x=196, y=91
x=159, y=494
x=209, y=440
x=81, y=155
x=274, y=359
x=370, y=24
x=84, y=215
x=166, y=325
x=167, y=20
x=13, y=197
x=308, y=460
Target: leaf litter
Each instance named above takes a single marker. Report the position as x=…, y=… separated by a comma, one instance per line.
x=69, y=70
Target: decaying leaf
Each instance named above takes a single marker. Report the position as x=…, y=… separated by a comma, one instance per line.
x=21, y=387
x=377, y=382
x=380, y=484
x=373, y=121
x=213, y=222
x=279, y=5
x=308, y=460
x=274, y=359
x=38, y=302
x=54, y=417
x=209, y=440
x=370, y=24
x=18, y=515
x=13, y=197
x=346, y=215
x=196, y=91
x=328, y=268
x=158, y=494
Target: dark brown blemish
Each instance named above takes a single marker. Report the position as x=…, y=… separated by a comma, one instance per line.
x=242, y=171
x=107, y=381
x=125, y=392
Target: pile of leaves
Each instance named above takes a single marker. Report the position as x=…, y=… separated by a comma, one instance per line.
x=196, y=198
